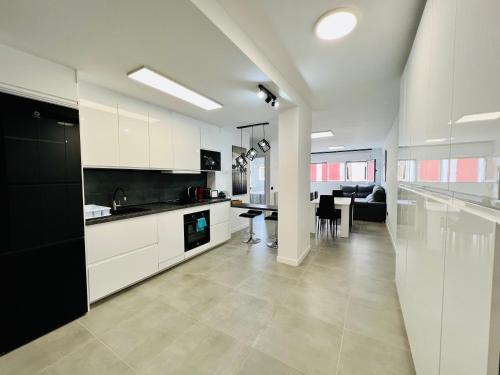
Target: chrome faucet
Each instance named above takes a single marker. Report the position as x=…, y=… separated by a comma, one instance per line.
x=116, y=205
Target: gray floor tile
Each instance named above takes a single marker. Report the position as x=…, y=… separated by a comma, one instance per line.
x=302, y=342
x=262, y=364
x=44, y=351
x=240, y=315
x=93, y=358
x=367, y=356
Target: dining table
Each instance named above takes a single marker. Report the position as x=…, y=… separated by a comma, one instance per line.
x=341, y=203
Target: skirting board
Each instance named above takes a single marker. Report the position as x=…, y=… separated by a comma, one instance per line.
x=387, y=224
x=294, y=262
x=238, y=228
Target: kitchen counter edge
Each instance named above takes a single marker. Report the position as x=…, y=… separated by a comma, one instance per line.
x=153, y=208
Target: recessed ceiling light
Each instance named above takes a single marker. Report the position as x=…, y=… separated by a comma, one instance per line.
x=324, y=134
x=479, y=117
x=151, y=78
x=336, y=147
x=437, y=140
x=335, y=24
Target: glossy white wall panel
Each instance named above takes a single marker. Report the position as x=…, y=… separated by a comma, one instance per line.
x=477, y=91
x=133, y=138
x=467, y=294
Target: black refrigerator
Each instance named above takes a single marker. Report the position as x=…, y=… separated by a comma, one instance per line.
x=42, y=253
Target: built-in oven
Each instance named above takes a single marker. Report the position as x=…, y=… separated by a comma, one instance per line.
x=196, y=229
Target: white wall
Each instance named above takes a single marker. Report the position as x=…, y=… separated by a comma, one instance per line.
x=27, y=75
x=391, y=175
x=331, y=157
x=447, y=245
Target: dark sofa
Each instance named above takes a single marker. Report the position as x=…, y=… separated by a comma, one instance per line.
x=369, y=202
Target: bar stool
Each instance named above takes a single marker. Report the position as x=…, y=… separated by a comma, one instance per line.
x=251, y=214
x=273, y=217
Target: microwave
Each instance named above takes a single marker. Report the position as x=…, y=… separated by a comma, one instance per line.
x=209, y=160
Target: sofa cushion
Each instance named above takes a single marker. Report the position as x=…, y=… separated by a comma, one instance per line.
x=378, y=194
x=349, y=189
x=364, y=190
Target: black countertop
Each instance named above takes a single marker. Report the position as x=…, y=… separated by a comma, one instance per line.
x=153, y=208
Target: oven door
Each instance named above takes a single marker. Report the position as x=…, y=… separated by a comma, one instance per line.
x=196, y=229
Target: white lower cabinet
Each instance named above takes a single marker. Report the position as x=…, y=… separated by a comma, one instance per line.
x=170, y=237
x=220, y=233
x=106, y=240
x=117, y=273
x=121, y=253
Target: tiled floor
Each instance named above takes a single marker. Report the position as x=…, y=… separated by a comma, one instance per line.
x=234, y=310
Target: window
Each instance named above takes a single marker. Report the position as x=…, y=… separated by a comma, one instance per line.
x=467, y=170
x=406, y=170
x=360, y=171
x=336, y=172
x=429, y=170
x=318, y=172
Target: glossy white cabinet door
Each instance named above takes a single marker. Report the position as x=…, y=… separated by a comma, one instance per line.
x=210, y=138
x=133, y=138
x=219, y=212
x=186, y=143
x=161, y=146
x=220, y=233
x=99, y=134
x=114, y=274
x=114, y=238
x=467, y=295
x=170, y=235
x=424, y=280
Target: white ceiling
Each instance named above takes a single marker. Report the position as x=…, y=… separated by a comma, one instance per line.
x=352, y=83
x=104, y=40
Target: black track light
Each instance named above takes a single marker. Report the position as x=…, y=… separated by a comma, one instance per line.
x=268, y=96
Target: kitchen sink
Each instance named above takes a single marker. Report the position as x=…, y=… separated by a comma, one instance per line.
x=127, y=210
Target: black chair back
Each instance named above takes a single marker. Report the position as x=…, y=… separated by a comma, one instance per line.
x=326, y=208
x=337, y=193
x=315, y=195
x=311, y=196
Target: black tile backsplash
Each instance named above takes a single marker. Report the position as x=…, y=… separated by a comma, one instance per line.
x=141, y=186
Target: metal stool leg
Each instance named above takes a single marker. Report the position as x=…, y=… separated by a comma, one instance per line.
x=274, y=244
x=251, y=239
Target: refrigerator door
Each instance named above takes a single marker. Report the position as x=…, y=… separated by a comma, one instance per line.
x=42, y=257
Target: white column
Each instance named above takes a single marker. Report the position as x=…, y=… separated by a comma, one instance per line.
x=293, y=180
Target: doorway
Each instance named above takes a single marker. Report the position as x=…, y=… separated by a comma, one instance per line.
x=258, y=180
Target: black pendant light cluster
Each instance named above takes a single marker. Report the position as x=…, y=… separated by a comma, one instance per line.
x=241, y=160
x=268, y=96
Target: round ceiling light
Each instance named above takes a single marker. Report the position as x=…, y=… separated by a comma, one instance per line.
x=335, y=24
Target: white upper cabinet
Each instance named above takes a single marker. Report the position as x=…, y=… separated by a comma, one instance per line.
x=99, y=134
x=161, y=152
x=186, y=143
x=210, y=138
x=133, y=138
x=118, y=131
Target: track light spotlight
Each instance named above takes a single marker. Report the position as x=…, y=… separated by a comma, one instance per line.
x=268, y=95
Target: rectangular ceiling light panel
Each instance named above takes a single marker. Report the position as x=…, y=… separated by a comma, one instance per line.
x=488, y=116
x=150, y=78
x=324, y=134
